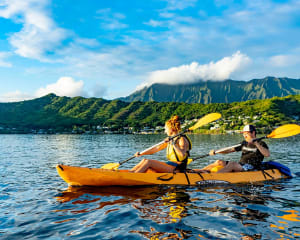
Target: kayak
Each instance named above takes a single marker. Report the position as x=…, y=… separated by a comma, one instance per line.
x=82, y=176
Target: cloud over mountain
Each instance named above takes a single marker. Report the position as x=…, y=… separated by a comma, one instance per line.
x=65, y=86
x=193, y=72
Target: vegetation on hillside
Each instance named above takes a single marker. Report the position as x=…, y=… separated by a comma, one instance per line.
x=64, y=113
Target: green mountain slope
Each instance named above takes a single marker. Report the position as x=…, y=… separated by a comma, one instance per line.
x=56, y=112
x=218, y=92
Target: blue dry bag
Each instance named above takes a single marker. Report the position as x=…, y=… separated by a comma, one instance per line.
x=282, y=168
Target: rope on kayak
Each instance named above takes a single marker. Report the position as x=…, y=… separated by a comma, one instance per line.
x=166, y=179
x=265, y=173
x=200, y=176
x=170, y=178
x=187, y=178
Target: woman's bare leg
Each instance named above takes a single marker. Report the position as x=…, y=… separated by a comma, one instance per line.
x=154, y=164
x=231, y=167
x=137, y=166
x=216, y=163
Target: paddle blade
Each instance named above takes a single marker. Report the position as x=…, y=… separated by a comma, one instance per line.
x=285, y=131
x=205, y=120
x=111, y=166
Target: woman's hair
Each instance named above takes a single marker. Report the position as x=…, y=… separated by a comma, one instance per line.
x=174, y=123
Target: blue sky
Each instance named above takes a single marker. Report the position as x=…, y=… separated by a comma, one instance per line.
x=97, y=48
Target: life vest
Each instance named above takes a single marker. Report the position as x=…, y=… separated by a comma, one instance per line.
x=171, y=152
x=216, y=169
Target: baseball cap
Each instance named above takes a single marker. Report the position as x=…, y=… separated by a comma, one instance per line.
x=249, y=128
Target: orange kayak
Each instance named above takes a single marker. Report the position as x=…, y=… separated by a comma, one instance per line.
x=81, y=176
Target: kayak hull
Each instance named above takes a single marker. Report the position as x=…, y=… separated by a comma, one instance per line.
x=81, y=176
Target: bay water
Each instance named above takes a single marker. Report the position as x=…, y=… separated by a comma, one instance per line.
x=35, y=203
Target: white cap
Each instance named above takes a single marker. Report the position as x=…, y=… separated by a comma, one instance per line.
x=249, y=128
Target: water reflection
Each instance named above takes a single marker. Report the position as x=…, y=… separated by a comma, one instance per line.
x=156, y=203
x=195, y=211
x=286, y=224
x=162, y=205
x=153, y=234
x=129, y=193
x=263, y=211
x=29, y=182
x=168, y=207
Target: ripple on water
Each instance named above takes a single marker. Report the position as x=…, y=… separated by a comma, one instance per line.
x=35, y=203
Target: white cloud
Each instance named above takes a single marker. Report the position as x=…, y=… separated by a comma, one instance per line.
x=257, y=29
x=39, y=33
x=179, y=4
x=99, y=90
x=285, y=60
x=194, y=72
x=15, y=96
x=87, y=42
x=154, y=23
x=111, y=20
x=65, y=86
x=4, y=63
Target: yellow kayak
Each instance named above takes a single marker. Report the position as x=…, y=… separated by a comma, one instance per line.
x=82, y=176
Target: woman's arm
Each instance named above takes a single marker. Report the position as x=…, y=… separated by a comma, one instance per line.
x=152, y=150
x=181, y=147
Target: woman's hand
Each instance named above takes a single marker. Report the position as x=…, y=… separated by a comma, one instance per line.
x=137, y=154
x=212, y=152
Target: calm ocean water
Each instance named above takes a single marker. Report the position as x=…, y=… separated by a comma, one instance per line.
x=35, y=203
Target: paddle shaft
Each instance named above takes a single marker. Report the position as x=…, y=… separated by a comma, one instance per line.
x=204, y=120
x=154, y=146
x=283, y=131
x=227, y=148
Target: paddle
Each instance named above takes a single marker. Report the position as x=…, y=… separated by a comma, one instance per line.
x=201, y=122
x=283, y=131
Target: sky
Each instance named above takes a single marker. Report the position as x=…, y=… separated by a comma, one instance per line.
x=109, y=49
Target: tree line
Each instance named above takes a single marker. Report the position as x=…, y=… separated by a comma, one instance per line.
x=54, y=112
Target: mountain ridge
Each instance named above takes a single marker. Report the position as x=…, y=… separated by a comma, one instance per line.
x=217, y=92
